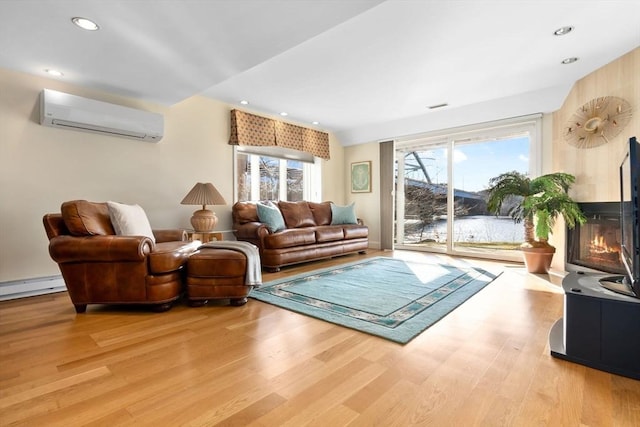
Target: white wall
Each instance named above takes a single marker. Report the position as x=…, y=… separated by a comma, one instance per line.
x=333, y=174
x=41, y=167
x=367, y=205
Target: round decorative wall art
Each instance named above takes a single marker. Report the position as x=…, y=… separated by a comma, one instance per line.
x=597, y=122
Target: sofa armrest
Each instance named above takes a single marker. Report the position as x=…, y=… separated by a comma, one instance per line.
x=250, y=231
x=99, y=248
x=170, y=235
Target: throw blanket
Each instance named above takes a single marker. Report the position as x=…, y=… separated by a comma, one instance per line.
x=254, y=268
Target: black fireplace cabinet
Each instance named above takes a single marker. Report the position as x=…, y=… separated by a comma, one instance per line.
x=600, y=328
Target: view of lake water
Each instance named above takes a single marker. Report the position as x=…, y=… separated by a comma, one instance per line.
x=469, y=229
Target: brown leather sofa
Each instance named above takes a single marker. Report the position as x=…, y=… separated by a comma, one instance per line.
x=308, y=236
x=100, y=267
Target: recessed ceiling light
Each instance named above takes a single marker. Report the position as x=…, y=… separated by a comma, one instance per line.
x=563, y=30
x=284, y=114
x=315, y=123
x=244, y=102
x=85, y=24
x=53, y=72
x=569, y=60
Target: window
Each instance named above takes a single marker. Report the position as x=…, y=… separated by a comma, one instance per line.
x=272, y=174
x=441, y=181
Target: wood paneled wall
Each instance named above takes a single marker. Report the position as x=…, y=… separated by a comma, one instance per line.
x=596, y=169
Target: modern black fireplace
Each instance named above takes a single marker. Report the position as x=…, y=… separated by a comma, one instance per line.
x=595, y=245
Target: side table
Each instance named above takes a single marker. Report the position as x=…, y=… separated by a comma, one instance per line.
x=207, y=236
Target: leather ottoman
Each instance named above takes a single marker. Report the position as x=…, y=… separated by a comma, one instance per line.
x=214, y=273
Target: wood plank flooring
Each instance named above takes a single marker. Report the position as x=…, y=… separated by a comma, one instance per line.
x=487, y=364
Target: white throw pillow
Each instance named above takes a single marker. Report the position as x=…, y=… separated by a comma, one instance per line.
x=129, y=220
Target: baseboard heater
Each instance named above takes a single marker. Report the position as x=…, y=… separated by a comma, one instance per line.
x=31, y=287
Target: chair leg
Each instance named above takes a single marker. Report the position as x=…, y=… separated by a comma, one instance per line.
x=197, y=302
x=159, y=308
x=80, y=308
x=237, y=302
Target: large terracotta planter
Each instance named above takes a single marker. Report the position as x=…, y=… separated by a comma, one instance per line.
x=538, y=258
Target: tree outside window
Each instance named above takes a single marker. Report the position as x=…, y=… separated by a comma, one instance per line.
x=262, y=177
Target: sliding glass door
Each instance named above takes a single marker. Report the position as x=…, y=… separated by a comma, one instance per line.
x=441, y=185
x=422, y=196
x=475, y=229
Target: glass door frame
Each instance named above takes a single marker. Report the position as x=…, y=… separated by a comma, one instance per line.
x=531, y=124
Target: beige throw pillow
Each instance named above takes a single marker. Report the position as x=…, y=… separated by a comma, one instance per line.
x=129, y=220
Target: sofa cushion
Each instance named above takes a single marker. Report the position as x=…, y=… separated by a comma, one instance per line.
x=296, y=214
x=329, y=233
x=83, y=218
x=290, y=237
x=321, y=212
x=343, y=214
x=355, y=231
x=270, y=215
x=244, y=212
x=129, y=220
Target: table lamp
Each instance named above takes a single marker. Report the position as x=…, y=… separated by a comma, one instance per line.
x=203, y=194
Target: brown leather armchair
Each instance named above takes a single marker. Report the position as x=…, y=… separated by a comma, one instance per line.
x=100, y=267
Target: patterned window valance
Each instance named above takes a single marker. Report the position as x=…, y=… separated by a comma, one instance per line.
x=249, y=129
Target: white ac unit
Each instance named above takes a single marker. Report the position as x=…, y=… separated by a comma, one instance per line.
x=62, y=110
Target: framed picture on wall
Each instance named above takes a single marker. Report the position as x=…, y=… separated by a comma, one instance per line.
x=361, y=177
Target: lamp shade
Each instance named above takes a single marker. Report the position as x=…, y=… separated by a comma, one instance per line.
x=203, y=194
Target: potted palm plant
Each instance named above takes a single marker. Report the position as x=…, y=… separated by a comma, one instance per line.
x=536, y=202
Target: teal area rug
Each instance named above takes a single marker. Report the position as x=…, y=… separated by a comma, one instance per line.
x=391, y=298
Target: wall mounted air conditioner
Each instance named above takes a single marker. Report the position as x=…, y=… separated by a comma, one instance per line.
x=62, y=110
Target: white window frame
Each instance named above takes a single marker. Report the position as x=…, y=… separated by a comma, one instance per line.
x=311, y=170
x=531, y=124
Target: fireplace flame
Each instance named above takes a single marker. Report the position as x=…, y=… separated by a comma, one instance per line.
x=599, y=246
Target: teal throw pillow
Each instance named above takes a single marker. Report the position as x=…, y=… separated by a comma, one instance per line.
x=270, y=216
x=343, y=214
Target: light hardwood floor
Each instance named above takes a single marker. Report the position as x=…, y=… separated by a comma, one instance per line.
x=487, y=363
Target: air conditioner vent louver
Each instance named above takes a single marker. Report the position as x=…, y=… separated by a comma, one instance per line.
x=62, y=110
x=99, y=129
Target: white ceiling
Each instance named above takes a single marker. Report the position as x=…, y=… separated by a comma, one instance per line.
x=365, y=69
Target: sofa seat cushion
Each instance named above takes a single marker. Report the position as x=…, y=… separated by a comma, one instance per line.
x=355, y=231
x=290, y=237
x=329, y=233
x=170, y=256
